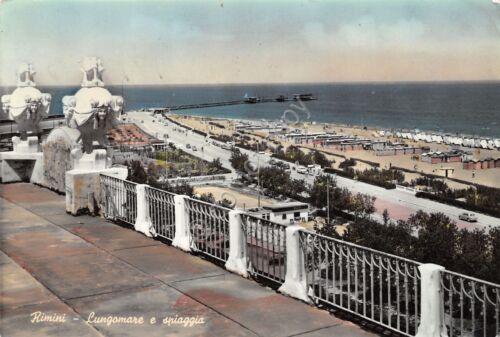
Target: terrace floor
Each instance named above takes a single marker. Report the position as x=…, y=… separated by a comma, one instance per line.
x=75, y=268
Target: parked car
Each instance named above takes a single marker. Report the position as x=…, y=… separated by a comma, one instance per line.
x=195, y=148
x=466, y=216
x=188, y=146
x=302, y=170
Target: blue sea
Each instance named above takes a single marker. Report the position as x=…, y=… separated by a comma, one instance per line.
x=471, y=108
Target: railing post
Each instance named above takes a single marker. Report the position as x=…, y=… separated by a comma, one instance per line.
x=431, y=302
x=182, y=238
x=237, y=260
x=142, y=221
x=295, y=279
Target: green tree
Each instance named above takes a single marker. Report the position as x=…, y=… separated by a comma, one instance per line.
x=207, y=197
x=394, y=238
x=386, y=217
x=137, y=173
x=473, y=255
x=226, y=203
x=362, y=205
x=437, y=238
x=320, y=159
x=494, y=244
x=341, y=199
x=238, y=160
x=216, y=164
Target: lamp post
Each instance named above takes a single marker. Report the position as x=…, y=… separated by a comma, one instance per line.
x=328, y=199
x=328, y=179
x=258, y=175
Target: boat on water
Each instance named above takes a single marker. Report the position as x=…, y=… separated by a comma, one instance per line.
x=303, y=97
x=252, y=100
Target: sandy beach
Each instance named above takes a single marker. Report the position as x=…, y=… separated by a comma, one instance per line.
x=487, y=177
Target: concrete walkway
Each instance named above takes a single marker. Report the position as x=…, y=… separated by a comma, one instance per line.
x=95, y=278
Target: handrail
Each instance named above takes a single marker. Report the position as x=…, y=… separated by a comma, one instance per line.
x=361, y=247
x=379, y=287
x=119, y=198
x=266, y=247
x=209, y=226
x=161, y=208
x=471, y=306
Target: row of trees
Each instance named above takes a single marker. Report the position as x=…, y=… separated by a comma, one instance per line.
x=278, y=182
x=325, y=193
x=275, y=180
x=424, y=237
x=151, y=176
x=475, y=198
x=381, y=177
x=294, y=154
x=374, y=176
x=209, y=197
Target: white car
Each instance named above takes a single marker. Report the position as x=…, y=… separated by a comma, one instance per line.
x=302, y=170
x=469, y=217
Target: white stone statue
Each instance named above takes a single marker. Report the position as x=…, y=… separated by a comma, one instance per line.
x=26, y=105
x=92, y=110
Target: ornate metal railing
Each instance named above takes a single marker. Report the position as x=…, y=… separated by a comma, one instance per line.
x=161, y=208
x=266, y=247
x=379, y=287
x=209, y=226
x=119, y=198
x=471, y=306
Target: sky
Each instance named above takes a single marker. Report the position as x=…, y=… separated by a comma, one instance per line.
x=258, y=41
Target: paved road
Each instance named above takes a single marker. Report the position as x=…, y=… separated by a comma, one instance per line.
x=400, y=204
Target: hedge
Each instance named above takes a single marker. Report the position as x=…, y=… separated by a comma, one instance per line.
x=382, y=183
x=430, y=175
x=289, y=160
x=351, y=175
x=346, y=174
x=200, y=132
x=458, y=203
x=372, y=163
x=323, y=151
x=177, y=123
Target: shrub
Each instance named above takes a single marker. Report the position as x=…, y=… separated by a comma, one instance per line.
x=453, y=202
x=347, y=163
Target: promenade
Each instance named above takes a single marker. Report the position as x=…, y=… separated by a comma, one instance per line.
x=400, y=204
x=78, y=269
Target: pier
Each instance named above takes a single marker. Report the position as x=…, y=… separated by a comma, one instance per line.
x=248, y=100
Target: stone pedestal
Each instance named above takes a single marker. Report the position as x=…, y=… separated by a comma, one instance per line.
x=26, y=167
x=30, y=145
x=25, y=163
x=83, y=188
x=57, y=159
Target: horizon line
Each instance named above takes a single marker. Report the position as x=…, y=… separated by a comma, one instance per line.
x=276, y=83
